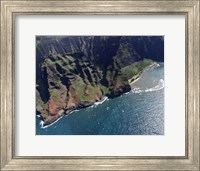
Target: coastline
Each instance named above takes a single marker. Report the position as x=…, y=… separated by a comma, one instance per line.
x=96, y=120
x=52, y=119
x=62, y=113
x=136, y=77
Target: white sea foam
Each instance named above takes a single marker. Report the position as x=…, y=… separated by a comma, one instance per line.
x=155, y=65
x=94, y=105
x=102, y=101
x=41, y=123
x=46, y=126
x=155, y=88
x=127, y=92
x=99, y=102
x=158, y=64
x=76, y=110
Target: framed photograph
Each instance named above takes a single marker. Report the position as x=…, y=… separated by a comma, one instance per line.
x=100, y=85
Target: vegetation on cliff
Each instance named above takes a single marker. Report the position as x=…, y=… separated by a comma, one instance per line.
x=136, y=68
x=74, y=72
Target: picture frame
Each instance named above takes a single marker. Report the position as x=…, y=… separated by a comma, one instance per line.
x=10, y=9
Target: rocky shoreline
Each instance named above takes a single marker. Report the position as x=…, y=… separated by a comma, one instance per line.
x=53, y=118
x=74, y=72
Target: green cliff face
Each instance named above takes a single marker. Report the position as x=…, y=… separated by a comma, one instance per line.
x=75, y=72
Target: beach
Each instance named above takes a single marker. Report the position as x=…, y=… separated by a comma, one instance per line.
x=137, y=76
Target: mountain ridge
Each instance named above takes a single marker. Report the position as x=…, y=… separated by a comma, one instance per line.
x=73, y=72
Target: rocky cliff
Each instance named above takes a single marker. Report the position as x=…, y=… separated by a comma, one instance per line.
x=76, y=71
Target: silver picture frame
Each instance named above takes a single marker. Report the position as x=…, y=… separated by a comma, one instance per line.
x=10, y=9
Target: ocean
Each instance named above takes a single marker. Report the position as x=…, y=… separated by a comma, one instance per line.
x=138, y=112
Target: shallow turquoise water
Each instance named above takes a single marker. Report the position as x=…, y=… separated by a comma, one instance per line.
x=138, y=112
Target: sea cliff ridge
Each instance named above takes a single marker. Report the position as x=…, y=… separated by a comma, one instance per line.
x=74, y=72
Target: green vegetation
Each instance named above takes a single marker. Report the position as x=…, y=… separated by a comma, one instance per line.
x=40, y=86
x=109, y=75
x=80, y=87
x=81, y=92
x=105, y=89
x=119, y=81
x=40, y=104
x=55, y=94
x=93, y=90
x=137, y=68
x=59, y=62
x=70, y=58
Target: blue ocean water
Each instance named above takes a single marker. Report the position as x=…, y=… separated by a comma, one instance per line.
x=138, y=112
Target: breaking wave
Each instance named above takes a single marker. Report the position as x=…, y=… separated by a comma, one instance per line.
x=99, y=102
x=94, y=105
x=76, y=110
x=46, y=126
x=155, y=88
